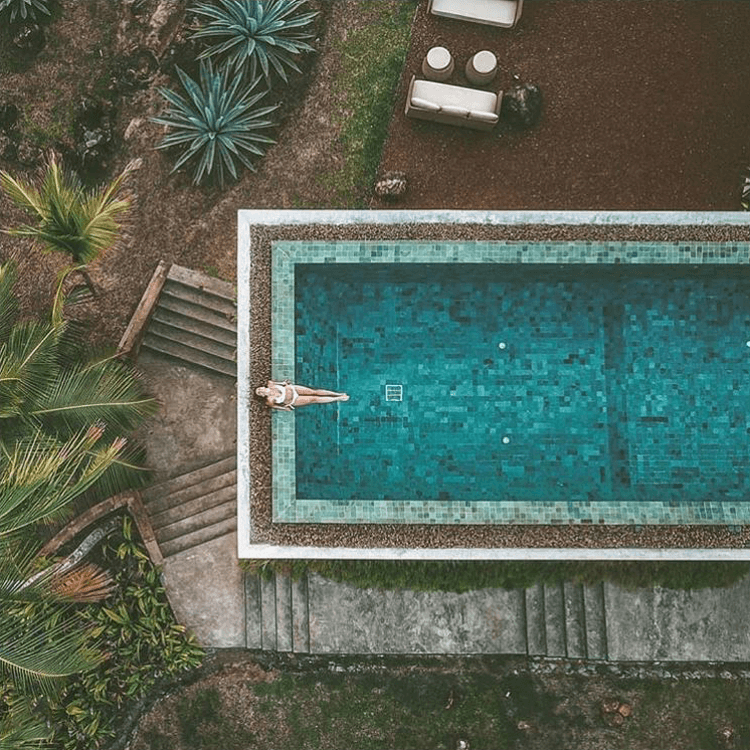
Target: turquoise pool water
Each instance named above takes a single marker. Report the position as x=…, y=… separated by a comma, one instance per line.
x=608, y=391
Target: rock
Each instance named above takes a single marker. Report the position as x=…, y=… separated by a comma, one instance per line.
x=625, y=709
x=522, y=105
x=133, y=126
x=8, y=116
x=163, y=25
x=94, y=137
x=7, y=148
x=391, y=186
x=28, y=39
x=28, y=154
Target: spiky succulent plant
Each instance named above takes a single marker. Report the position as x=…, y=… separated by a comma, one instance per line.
x=251, y=33
x=24, y=9
x=217, y=123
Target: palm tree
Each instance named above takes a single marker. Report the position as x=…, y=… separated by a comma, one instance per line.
x=70, y=219
x=39, y=645
x=51, y=387
x=61, y=417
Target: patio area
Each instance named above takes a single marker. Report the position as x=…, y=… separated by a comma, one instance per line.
x=646, y=106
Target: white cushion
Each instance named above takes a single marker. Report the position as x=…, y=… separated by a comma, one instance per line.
x=452, y=109
x=457, y=96
x=494, y=12
x=424, y=104
x=483, y=116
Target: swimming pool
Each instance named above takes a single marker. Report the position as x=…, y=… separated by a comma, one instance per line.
x=537, y=383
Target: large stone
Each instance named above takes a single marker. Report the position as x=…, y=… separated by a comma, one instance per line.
x=522, y=105
x=8, y=116
x=28, y=39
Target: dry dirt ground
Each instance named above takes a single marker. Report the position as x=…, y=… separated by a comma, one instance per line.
x=646, y=107
x=170, y=218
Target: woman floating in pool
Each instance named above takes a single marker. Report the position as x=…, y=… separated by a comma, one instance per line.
x=287, y=396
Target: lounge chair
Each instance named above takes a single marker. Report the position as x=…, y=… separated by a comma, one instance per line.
x=504, y=13
x=453, y=105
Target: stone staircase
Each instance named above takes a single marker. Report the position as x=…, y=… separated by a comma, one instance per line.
x=195, y=321
x=193, y=508
x=566, y=620
x=561, y=620
x=277, y=613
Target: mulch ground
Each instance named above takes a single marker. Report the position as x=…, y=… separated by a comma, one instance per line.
x=646, y=107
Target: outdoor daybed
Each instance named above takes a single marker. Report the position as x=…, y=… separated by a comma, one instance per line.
x=453, y=105
x=503, y=13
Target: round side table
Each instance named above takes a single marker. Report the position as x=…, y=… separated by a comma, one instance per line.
x=438, y=64
x=481, y=67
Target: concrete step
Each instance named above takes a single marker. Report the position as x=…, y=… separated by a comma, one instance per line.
x=300, y=616
x=181, y=512
x=160, y=504
x=226, y=527
x=253, y=612
x=189, y=354
x=197, y=521
x=596, y=622
x=277, y=616
x=536, y=636
x=575, y=628
x=187, y=337
x=152, y=495
x=185, y=321
x=554, y=619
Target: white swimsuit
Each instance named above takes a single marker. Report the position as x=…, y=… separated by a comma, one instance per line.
x=282, y=395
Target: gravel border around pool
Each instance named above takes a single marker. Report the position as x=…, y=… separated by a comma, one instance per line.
x=260, y=537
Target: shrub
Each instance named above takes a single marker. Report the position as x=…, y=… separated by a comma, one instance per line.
x=216, y=123
x=24, y=9
x=249, y=33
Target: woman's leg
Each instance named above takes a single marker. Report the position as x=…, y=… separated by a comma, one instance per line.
x=307, y=400
x=303, y=390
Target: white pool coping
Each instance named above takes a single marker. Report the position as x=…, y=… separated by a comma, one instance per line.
x=246, y=219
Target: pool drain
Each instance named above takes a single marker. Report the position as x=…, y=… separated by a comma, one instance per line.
x=394, y=392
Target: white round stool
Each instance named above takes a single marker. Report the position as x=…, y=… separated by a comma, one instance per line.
x=481, y=67
x=438, y=64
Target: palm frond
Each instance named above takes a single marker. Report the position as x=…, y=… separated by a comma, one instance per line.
x=24, y=196
x=87, y=394
x=35, y=653
x=40, y=477
x=8, y=302
x=70, y=220
x=21, y=730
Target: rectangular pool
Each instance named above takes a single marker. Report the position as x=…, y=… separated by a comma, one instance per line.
x=538, y=383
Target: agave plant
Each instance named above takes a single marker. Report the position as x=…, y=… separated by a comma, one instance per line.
x=217, y=123
x=251, y=33
x=24, y=9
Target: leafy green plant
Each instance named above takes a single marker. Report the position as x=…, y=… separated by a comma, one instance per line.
x=249, y=34
x=142, y=645
x=54, y=395
x=24, y=9
x=69, y=219
x=217, y=123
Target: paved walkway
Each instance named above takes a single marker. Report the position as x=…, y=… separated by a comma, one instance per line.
x=226, y=609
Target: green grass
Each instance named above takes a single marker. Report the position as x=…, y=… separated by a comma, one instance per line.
x=372, y=60
x=462, y=576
